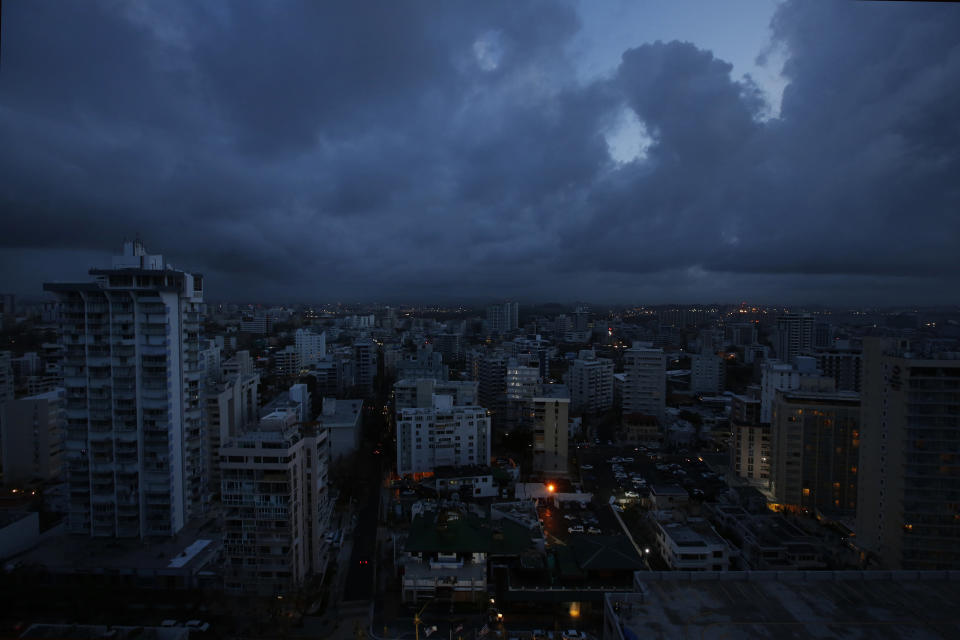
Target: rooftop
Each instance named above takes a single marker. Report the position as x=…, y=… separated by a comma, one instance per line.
x=790, y=605
x=186, y=553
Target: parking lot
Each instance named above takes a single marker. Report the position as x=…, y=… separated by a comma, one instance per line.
x=625, y=472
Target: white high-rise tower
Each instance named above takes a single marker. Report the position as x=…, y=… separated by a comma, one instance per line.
x=131, y=368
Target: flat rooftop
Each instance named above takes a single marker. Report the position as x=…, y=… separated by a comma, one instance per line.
x=186, y=553
x=790, y=604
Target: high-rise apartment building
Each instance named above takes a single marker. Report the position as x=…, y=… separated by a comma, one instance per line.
x=311, y=346
x=645, y=383
x=441, y=435
x=276, y=507
x=425, y=363
x=503, y=317
x=132, y=376
x=707, y=373
x=31, y=438
x=843, y=363
x=490, y=372
x=365, y=363
x=908, y=505
x=590, y=380
x=551, y=406
x=412, y=393
x=740, y=334
x=231, y=407
x=815, y=444
x=794, y=335
x=286, y=361
x=777, y=375
x=750, y=440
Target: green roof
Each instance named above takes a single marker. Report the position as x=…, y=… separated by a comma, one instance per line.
x=456, y=532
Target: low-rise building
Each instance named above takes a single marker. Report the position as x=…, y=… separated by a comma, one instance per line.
x=693, y=545
x=447, y=550
x=475, y=481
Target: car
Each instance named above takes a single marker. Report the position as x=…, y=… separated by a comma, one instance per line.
x=631, y=494
x=567, y=516
x=594, y=530
x=586, y=467
x=628, y=459
x=577, y=528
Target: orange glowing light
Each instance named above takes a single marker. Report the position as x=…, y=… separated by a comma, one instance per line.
x=551, y=488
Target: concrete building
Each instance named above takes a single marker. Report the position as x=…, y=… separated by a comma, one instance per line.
x=740, y=334
x=286, y=362
x=31, y=438
x=132, y=375
x=239, y=364
x=343, y=420
x=693, y=545
x=276, y=507
x=312, y=347
x=503, y=317
x=551, y=408
x=843, y=363
x=645, y=386
x=590, y=380
x=441, y=435
x=450, y=346
x=490, y=372
x=815, y=443
x=465, y=482
x=413, y=393
x=365, y=363
x=425, y=363
x=522, y=378
x=794, y=336
x=258, y=324
x=775, y=376
x=231, y=407
x=707, y=374
x=908, y=504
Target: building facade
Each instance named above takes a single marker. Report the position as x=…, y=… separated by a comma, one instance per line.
x=645, y=383
x=132, y=376
x=441, y=435
x=794, y=335
x=590, y=380
x=551, y=407
x=909, y=487
x=275, y=506
x=31, y=438
x=815, y=446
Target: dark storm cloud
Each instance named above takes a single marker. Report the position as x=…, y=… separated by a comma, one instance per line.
x=313, y=151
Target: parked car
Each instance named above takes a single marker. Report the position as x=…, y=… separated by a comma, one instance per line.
x=594, y=530
x=577, y=528
x=586, y=467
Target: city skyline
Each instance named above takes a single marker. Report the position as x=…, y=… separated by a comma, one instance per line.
x=792, y=153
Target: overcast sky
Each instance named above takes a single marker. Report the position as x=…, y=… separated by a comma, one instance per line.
x=613, y=151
